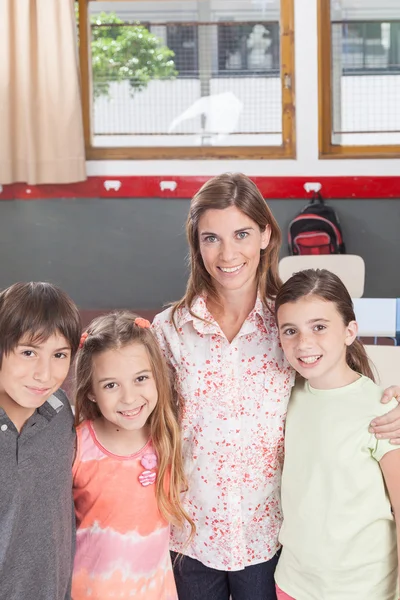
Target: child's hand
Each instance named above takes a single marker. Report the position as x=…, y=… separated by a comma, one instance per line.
x=388, y=426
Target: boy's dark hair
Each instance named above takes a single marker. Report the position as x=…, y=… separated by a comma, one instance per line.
x=37, y=310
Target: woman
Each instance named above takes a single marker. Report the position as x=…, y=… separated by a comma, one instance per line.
x=233, y=384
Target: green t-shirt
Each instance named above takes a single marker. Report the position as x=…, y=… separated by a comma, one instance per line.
x=338, y=533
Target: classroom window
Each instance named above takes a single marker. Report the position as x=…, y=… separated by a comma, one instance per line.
x=198, y=79
x=359, y=54
x=249, y=49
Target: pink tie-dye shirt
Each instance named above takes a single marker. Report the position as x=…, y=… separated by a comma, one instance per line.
x=233, y=400
x=122, y=540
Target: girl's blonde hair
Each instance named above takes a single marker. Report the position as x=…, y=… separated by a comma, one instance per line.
x=114, y=331
x=224, y=191
x=327, y=286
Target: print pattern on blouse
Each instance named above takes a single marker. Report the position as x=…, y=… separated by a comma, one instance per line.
x=122, y=546
x=233, y=400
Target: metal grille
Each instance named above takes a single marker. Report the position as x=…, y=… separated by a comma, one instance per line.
x=179, y=83
x=366, y=82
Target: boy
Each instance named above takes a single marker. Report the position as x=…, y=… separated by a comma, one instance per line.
x=39, y=335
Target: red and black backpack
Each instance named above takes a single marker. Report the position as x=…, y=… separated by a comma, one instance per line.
x=316, y=230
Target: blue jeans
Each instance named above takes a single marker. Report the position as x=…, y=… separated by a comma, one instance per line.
x=195, y=581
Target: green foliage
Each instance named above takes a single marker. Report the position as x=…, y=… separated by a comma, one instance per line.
x=123, y=52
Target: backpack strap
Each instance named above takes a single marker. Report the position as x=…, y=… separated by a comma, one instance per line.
x=316, y=198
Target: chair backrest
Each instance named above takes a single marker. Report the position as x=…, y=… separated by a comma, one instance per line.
x=349, y=267
x=386, y=363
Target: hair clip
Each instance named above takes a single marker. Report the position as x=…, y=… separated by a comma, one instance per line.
x=144, y=323
x=83, y=339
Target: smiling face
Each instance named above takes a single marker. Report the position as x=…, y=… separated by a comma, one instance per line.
x=123, y=386
x=314, y=339
x=31, y=373
x=230, y=244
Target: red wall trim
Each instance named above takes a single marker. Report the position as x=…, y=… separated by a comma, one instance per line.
x=187, y=186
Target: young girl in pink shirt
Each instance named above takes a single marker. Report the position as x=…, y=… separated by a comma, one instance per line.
x=127, y=474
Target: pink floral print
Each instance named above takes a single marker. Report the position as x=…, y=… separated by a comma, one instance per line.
x=233, y=401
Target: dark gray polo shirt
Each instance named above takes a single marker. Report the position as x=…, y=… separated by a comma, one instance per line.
x=37, y=523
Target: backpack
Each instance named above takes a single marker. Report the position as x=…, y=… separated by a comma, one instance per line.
x=316, y=230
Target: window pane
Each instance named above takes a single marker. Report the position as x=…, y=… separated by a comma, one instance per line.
x=365, y=72
x=194, y=73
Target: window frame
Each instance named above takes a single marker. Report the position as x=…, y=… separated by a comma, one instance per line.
x=286, y=150
x=328, y=150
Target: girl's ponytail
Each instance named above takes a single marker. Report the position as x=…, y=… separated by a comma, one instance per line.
x=358, y=360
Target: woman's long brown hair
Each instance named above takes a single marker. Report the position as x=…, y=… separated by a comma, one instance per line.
x=326, y=285
x=224, y=191
x=113, y=331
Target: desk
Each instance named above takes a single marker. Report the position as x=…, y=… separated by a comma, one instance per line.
x=378, y=317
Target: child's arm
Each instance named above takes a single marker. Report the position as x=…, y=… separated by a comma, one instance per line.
x=390, y=465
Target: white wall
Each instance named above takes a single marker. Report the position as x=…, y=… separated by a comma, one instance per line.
x=307, y=162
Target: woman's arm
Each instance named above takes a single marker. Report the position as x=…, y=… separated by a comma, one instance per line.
x=390, y=465
x=388, y=426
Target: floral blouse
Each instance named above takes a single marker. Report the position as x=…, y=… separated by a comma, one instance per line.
x=233, y=399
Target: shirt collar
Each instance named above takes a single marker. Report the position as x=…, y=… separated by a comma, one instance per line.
x=50, y=408
x=200, y=316
x=206, y=324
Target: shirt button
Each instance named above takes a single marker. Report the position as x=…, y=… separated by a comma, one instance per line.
x=4, y=427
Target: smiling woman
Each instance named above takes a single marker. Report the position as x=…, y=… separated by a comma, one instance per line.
x=233, y=385
x=232, y=197
x=231, y=251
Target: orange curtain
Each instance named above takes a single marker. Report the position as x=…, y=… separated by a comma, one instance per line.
x=41, y=131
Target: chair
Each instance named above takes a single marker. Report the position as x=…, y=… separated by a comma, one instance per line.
x=349, y=267
x=385, y=363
